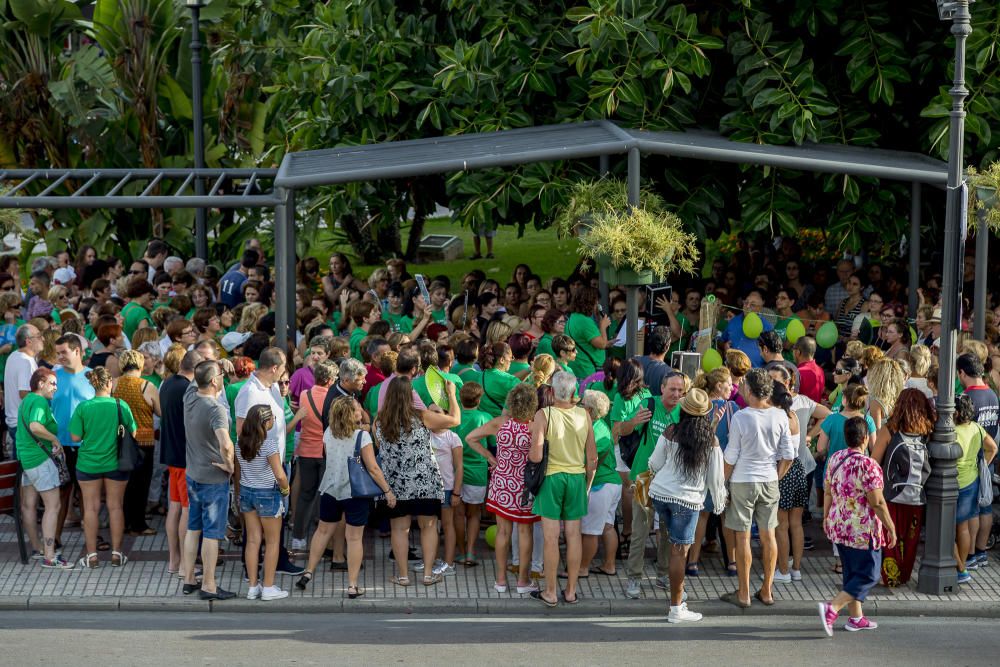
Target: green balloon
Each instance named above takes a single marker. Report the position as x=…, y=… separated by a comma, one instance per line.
x=491, y=536
x=913, y=336
x=753, y=326
x=711, y=360
x=795, y=331
x=827, y=335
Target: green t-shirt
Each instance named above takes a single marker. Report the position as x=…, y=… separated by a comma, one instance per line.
x=289, y=433
x=34, y=408
x=399, y=322
x=96, y=422
x=781, y=326
x=496, y=385
x=371, y=401
x=687, y=328
x=153, y=379
x=231, y=391
x=610, y=393
x=623, y=409
x=606, y=473
x=467, y=372
x=355, y=343
x=545, y=346
x=420, y=386
x=518, y=366
x=657, y=424
x=589, y=359
x=440, y=317
x=132, y=315
x=474, y=466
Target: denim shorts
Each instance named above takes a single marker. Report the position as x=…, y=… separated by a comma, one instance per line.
x=265, y=502
x=209, y=508
x=44, y=477
x=968, y=503
x=680, y=521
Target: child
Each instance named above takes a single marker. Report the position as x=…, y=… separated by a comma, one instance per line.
x=38, y=305
x=447, y=448
x=474, y=477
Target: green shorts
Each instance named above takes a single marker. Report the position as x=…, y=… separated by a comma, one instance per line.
x=563, y=497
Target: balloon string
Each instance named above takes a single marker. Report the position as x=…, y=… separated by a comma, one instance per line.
x=796, y=316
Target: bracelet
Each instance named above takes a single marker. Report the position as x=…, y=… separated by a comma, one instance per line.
x=285, y=491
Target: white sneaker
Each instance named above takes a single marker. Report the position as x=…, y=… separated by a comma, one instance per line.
x=272, y=593
x=780, y=578
x=299, y=545
x=796, y=575
x=530, y=588
x=254, y=592
x=681, y=614
x=444, y=570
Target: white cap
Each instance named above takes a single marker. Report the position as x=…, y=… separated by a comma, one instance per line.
x=233, y=340
x=64, y=276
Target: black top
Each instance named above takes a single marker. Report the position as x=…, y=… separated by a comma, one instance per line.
x=172, y=438
x=987, y=408
x=335, y=392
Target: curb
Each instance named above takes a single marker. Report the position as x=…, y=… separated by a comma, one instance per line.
x=487, y=607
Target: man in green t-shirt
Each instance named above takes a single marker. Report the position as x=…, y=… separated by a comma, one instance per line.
x=135, y=314
x=666, y=412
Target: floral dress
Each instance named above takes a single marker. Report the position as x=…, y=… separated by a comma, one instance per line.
x=507, y=480
x=409, y=464
x=851, y=522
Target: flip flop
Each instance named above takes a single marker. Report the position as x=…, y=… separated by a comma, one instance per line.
x=597, y=570
x=102, y=544
x=575, y=600
x=769, y=603
x=733, y=598
x=565, y=575
x=537, y=595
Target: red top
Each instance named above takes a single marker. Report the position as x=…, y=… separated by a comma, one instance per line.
x=372, y=378
x=812, y=381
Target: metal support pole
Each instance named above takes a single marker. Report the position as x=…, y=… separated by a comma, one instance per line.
x=200, y=224
x=289, y=293
x=632, y=292
x=602, y=284
x=937, y=569
x=284, y=275
x=914, y=282
x=982, y=272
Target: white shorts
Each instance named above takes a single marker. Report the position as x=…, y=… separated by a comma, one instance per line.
x=44, y=477
x=620, y=465
x=473, y=495
x=601, y=508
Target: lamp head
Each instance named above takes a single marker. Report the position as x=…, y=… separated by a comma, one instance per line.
x=195, y=4
x=946, y=8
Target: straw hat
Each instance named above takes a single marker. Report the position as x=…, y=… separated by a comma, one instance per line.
x=696, y=403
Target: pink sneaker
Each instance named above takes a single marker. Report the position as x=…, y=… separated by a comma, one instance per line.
x=861, y=624
x=828, y=616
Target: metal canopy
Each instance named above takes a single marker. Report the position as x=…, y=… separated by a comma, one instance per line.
x=402, y=159
x=137, y=188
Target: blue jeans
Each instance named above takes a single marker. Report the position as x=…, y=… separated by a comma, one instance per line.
x=209, y=508
x=679, y=521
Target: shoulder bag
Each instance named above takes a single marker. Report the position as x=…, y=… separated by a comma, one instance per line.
x=60, y=460
x=985, y=477
x=534, y=473
x=129, y=454
x=319, y=416
x=629, y=444
x=362, y=483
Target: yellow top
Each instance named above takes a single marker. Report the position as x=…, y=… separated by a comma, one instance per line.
x=567, y=435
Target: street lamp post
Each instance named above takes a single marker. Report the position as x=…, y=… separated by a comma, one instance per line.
x=938, y=574
x=200, y=226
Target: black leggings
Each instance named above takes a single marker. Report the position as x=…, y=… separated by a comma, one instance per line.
x=137, y=492
x=310, y=472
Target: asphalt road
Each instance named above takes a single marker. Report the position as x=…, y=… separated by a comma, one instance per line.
x=109, y=638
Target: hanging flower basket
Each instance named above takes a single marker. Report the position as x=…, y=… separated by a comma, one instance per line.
x=614, y=276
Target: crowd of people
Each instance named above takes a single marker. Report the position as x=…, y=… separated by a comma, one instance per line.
x=158, y=385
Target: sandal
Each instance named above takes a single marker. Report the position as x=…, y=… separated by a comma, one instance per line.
x=89, y=561
x=304, y=580
x=102, y=544
x=769, y=603
x=575, y=600
x=431, y=579
x=470, y=560
x=358, y=592
x=734, y=599
x=597, y=570
x=537, y=595
x=732, y=570
x=122, y=559
x=692, y=570
x=837, y=569
x=401, y=581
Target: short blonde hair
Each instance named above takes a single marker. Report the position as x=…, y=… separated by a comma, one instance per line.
x=976, y=347
x=596, y=403
x=57, y=291
x=738, y=363
x=855, y=349
x=131, y=358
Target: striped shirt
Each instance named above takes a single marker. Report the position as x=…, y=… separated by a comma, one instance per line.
x=257, y=474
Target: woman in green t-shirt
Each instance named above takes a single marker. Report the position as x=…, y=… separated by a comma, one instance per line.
x=604, y=494
x=36, y=445
x=564, y=351
x=495, y=380
x=520, y=349
x=95, y=425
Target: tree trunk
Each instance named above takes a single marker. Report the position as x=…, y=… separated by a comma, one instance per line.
x=361, y=243
x=416, y=233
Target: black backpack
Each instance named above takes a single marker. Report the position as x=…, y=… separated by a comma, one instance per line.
x=629, y=444
x=906, y=470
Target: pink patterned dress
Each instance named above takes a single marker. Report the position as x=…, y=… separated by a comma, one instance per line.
x=507, y=479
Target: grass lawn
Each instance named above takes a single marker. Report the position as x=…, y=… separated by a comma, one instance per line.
x=546, y=254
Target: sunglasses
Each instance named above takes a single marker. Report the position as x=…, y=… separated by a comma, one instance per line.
x=284, y=383
x=137, y=273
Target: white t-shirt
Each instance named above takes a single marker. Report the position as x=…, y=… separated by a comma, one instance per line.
x=443, y=444
x=336, y=480
x=254, y=393
x=16, y=378
x=758, y=439
x=803, y=407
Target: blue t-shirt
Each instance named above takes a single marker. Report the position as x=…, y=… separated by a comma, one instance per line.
x=231, y=288
x=722, y=428
x=736, y=338
x=71, y=390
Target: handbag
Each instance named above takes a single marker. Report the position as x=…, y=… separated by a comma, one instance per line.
x=59, y=461
x=129, y=454
x=362, y=483
x=985, y=478
x=534, y=473
x=640, y=489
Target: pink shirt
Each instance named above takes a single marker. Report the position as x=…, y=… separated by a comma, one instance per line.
x=417, y=403
x=852, y=522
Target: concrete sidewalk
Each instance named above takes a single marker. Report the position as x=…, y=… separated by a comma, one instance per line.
x=144, y=584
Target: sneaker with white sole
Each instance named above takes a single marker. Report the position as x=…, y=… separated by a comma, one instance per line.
x=444, y=570
x=828, y=617
x=780, y=578
x=681, y=614
x=500, y=588
x=796, y=575
x=633, y=588
x=299, y=545
x=57, y=563
x=272, y=593
x=530, y=588
x=861, y=624
x=254, y=592
x=984, y=559
x=663, y=583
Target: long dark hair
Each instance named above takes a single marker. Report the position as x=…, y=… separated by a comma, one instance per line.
x=254, y=431
x=397, y=413
x=695, y=438
x=630, y=379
